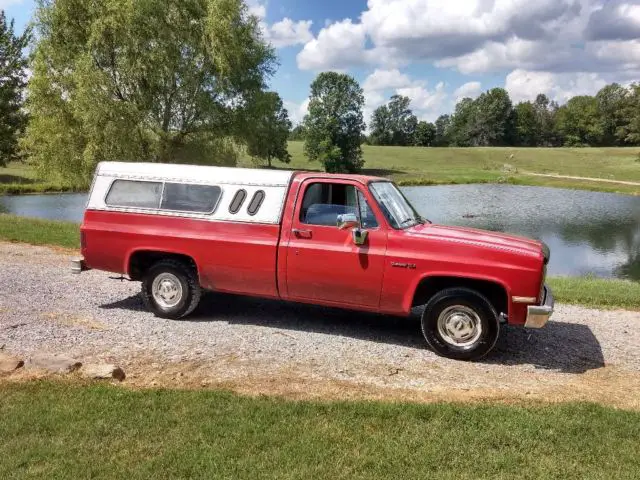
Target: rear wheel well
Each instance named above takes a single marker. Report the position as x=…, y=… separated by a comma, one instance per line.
x=494, y=292
x=142, y=260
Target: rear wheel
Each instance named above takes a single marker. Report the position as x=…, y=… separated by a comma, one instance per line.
x=461, y=324
x=170, y=289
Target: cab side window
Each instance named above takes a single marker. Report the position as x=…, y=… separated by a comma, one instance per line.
x=323, y=202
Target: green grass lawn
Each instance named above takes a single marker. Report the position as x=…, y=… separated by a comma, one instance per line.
x=34, y=231
x=427, y=166
x=63, y=430
x=594, y=292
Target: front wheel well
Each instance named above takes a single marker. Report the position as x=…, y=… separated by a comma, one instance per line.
x=493, y=291
x=142, y=260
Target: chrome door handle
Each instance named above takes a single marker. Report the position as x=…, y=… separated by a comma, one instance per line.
x=302, y=233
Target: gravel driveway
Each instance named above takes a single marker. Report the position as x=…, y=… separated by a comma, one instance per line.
x=265, y=347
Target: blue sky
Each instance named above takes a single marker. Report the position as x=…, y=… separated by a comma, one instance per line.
x=438, y=51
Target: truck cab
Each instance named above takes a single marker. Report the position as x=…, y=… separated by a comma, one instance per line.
x=346, y=241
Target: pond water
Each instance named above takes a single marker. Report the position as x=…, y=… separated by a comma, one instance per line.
x=588, y=232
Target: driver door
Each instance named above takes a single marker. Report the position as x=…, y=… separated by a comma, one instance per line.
x=323, y=263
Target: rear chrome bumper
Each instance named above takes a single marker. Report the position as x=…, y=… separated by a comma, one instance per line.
x=538, y=315
x=78, y=265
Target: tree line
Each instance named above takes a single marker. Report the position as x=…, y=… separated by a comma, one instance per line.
x=187, y=81
x=611, y=118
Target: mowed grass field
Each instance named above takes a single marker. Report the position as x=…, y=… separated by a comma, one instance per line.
x=70, y=430
x=430, y=166
x=427, y=166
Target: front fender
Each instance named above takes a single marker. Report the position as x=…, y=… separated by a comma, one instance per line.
x=410, y=294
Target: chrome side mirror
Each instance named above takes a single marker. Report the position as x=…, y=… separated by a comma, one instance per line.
x=359, y=236
x=347, y=220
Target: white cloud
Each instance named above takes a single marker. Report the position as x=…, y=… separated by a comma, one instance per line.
x=337, y=47
x=524, y=85
x=257, y=8
x=383, y=79
x=286, y=33
x=615, y=20
x=297, y=111
x=426, y=104
x=482, y=36
x=381, y=84
x=468, y=90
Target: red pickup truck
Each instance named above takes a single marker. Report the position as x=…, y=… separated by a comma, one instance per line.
x=346, y=241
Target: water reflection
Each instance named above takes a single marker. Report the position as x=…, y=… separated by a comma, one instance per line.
x=61, y=206
x=588, y=232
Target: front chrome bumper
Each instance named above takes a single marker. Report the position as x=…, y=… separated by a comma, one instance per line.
x=538, y=315
x=78, y=265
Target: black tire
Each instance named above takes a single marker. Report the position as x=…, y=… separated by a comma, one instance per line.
x=190, y=290
x=468, y=302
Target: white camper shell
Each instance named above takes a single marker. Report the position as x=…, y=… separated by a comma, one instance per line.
x=207, y=193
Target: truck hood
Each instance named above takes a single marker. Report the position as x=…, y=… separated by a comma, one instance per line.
x=485, y=238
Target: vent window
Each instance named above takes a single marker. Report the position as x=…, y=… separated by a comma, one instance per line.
x=237, y=201
x=256, y=202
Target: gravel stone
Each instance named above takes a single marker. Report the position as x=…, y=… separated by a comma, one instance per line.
x=238, y=340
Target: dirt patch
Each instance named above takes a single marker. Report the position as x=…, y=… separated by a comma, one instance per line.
x=607, y=386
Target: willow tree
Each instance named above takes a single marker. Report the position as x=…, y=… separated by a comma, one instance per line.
x=143, y=80
x=12, y=82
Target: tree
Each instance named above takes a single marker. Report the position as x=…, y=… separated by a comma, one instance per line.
x=579, y=122
x=425, y=135
x=492, y=123
x=13, y=66
x=381, y=129
x=527, y=127
x=545, y=111
x=150, y=80
x=394, y=123
x=443, y=131
x=298, y=133
x=629, y=131
x=612, y=100
x=462, y=122
x=334, y=124
x=270, y=129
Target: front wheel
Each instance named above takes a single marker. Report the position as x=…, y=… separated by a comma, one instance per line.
x=170, y=289
x=461, y=324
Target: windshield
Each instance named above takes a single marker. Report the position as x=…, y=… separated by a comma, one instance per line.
x=396, y=208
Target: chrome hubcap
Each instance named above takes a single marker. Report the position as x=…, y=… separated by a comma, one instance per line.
x=459, y=326
x=167, y=290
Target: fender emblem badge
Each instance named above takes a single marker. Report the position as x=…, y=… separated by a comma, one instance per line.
x=410, y=266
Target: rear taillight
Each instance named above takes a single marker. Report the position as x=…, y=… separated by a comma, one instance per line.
x=83, y=241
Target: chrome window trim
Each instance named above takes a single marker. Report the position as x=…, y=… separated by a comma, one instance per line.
x=215, y=206
x=158, y=209
x=106, y=195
